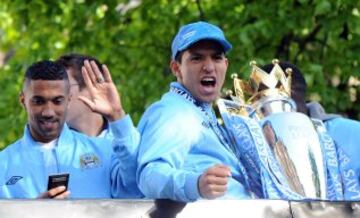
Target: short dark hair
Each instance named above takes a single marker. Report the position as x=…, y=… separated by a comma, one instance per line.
x=46, y=70
x=298, y=83
x=76, y=62
x=179, y=55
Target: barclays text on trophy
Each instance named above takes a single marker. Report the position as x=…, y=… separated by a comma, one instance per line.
x=282, y=150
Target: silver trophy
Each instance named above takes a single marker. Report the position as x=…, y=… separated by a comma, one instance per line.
x=291, y=136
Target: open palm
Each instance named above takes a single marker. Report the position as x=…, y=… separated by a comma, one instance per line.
x=104, y=97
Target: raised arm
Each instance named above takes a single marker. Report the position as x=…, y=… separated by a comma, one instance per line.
x=105, y=100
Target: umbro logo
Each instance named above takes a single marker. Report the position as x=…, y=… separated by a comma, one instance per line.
x=13, y=180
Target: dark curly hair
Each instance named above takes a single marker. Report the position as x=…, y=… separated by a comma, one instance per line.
x=45, y=70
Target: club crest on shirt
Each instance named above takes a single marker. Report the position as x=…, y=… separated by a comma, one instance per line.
x=89, y=161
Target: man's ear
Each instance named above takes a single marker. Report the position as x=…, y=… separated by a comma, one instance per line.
x=22, y=99
x=175, y=68
x=227, y=62
x=70, y=97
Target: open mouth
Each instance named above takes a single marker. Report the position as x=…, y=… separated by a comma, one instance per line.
x=208, y=81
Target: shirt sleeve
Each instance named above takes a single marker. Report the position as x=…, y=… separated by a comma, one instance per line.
x=124, y=161
x=345, y=133
x=167, y=137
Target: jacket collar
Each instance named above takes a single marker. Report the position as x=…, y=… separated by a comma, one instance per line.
x=178, y=88
x=64, y=139
x=317, y=111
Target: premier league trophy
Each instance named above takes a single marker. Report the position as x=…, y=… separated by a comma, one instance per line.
x=281, y=149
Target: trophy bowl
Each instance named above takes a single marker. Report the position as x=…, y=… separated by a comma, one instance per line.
x=286, y=147
x=295, y=145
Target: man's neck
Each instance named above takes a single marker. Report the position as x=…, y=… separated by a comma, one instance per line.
x=48, y=145
x=89, y=125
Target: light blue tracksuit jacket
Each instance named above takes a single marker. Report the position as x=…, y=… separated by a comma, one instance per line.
x=346, y=135
x=98, y=167
x=177, y=146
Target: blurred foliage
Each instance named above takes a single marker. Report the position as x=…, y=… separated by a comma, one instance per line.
x=133, y=38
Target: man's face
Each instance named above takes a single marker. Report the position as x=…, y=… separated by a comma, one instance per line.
x=298, y=95
x=46, y=103
x=77, y=108
x=202, y=70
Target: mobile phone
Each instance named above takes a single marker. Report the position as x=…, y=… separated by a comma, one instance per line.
x=57, y=180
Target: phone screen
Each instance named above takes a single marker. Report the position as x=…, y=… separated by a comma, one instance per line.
x=58, y=180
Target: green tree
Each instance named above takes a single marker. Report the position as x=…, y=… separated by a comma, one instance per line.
x=133, y=38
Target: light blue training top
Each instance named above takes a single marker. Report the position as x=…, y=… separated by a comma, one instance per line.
x=179, y=142
x=98, y=167
x=346, y=135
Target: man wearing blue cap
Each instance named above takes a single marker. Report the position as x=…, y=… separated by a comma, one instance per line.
x=184, y=154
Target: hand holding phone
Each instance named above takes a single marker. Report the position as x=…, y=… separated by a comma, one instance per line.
x=57, y=180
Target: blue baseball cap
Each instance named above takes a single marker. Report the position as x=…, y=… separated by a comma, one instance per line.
x=194, y=32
